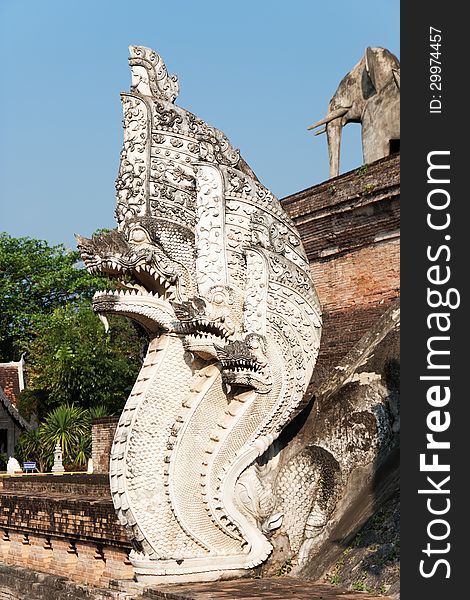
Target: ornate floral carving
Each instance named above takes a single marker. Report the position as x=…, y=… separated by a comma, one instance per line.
x=216, y=146
x=133, y=170
x=211, y=263
x=166, y=116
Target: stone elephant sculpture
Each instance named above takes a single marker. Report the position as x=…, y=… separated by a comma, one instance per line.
x=368, y=94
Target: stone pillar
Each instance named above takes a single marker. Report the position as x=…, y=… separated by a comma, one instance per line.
x=90, y=565
x=5, y=546
x=118, y=565
x=64, y=557
x=41, y=553
x=19, y=548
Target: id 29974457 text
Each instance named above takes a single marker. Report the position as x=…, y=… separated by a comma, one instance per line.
x=435, y=71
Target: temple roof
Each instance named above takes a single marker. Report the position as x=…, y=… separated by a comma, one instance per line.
x=12, y=379
x=12, y=411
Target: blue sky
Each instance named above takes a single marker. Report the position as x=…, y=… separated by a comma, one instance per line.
x=261, y=71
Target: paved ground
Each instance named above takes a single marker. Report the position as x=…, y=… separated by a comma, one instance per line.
x=281, y=588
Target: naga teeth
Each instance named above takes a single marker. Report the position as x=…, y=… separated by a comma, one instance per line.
x=105, y=322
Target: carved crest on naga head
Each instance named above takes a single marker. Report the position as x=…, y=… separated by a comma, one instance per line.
x=212, y=267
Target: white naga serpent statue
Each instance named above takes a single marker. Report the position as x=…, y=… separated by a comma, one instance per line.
x=214, y=270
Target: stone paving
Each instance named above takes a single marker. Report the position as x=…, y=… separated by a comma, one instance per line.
x=281, y=588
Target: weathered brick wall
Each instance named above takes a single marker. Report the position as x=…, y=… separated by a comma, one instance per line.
x=350, y=230
x=74, y=518
x=67, y=529
x=365, y=284
x=77, y=485
x=102, y=434
x=18, y=583
x=368, y=275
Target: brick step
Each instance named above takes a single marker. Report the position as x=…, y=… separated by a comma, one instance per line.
x=66, y=484
x=279, y=588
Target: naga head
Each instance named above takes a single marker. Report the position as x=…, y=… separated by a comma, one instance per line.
x=245, y=364
x=149, y=74
x=203, y=326
x=147, y=276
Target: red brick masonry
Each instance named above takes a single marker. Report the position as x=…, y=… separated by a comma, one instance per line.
x=102, y=433
x=350, y=230
x=64, y=525
x=280, y=588
x=9, y=381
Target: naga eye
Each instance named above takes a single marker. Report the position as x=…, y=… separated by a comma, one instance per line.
x=138, y=235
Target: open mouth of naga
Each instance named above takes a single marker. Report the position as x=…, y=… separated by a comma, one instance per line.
x=148, y=290
x=145, y=281
x=141, y=280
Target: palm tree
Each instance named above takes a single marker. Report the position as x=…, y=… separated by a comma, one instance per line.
x=100, y=410
x=65, y=425
x=83, y=451
x=31, y=448
x=68, y=425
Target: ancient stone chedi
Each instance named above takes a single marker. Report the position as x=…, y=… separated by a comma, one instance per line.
x=214, y=270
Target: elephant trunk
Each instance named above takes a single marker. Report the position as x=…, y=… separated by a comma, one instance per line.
x=333, y=134
x=333, y=122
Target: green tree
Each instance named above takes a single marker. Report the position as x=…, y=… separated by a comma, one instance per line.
x=73, y=361
x=35, y=279
x=68, y=425
x=31, y=448
x=45, y=311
